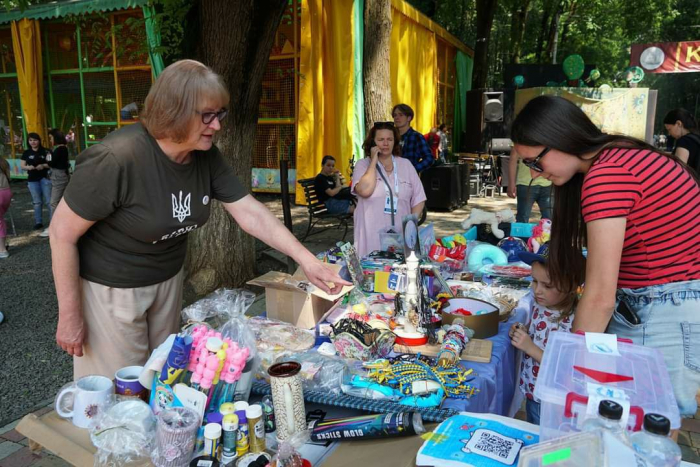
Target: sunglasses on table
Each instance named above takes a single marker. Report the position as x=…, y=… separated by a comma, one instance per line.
x=534, y=164
x=208, y=117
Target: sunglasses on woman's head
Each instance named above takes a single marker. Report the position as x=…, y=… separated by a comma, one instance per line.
x=208, y=117
x=534, y=164
x=383, y=125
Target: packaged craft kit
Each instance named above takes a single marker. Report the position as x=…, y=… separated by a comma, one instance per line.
x=394, y=364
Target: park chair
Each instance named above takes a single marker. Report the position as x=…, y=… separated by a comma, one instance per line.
x=318, y=211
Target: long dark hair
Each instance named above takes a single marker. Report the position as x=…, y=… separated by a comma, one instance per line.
x=36, y=137
x=58, y=136
x=557, y=123
x=685, y=117
x=369, y=141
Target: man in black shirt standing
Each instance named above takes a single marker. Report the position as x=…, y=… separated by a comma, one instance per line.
x=330, y=189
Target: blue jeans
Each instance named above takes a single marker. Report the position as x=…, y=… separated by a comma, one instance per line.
x=41, y=194
x=337, y=206
x=526, y=197
x=670, y=322
x=532, y=410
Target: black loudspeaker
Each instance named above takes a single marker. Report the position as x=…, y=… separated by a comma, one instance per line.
x=493, y=106
x=442, y=187
x=490, y=113
x=464, y=172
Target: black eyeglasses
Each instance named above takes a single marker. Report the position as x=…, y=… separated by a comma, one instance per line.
x=383, y=125
x=534, y=164
x=208, y=117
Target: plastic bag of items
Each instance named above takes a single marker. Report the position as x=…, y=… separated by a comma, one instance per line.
x=124, y=434
x=288, y=451
x=320, y=372
x=218, y=307
x=224, y=310
x=275, y=340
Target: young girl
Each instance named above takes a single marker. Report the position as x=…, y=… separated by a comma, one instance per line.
x=551, y=310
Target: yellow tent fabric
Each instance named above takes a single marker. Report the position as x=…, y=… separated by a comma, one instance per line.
x=26, y=42
x=414, y=78
x=326, y=86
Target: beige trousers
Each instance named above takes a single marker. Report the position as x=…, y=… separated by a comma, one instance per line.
x=123, y=326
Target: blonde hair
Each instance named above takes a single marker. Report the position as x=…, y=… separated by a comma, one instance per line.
x=172, y=103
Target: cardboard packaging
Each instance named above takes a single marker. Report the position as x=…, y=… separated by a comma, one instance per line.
x=484, y=326
x=59, y=436
x=287, y=300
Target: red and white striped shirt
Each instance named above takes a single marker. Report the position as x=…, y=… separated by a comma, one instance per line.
x=661, y=202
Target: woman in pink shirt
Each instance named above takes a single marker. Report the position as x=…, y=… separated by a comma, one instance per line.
x=379, y=179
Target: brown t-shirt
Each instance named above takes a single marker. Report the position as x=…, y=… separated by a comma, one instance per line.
x=144, y=205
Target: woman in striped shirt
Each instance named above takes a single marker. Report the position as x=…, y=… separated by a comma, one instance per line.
x=637, y=210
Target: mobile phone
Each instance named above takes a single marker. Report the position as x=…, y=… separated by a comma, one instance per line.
x=627, y=313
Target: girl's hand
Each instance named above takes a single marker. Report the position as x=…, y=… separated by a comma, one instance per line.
x=520, y=339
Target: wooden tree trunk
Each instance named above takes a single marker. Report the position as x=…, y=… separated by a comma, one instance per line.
x=376, y=70
x=485, y=11
x=517, y=29
x=553, y=35
x=235, y=40
x=542, y=36
x=567, y=24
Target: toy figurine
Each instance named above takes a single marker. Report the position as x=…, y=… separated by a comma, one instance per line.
x=540, y=235
x=477, y=216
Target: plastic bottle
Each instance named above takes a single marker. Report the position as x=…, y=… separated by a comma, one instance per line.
x=212, y=435
x=609, y=416
x=268, y=414
x=256, y=428
x=653, y=443
x=242, y=439
x=227, y=408
x=230, y=437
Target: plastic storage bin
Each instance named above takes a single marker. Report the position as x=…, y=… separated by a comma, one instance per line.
x=578, y=450
x=570, y=375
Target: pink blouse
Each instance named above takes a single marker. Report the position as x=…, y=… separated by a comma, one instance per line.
x=369, y=214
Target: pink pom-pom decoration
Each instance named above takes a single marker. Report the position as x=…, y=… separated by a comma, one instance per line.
x=212, y=365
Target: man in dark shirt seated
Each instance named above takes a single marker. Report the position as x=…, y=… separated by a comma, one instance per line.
x=330, y=189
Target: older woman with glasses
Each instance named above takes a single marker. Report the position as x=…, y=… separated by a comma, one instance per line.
x=119, y=235
x=387, y=188
x=637, y=210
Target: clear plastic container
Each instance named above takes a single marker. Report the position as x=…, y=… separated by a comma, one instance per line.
x=577, y=450
x=609, y=416
x=570, y=373
x=653, y=443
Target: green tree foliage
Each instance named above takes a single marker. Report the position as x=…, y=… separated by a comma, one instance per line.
x=601, y=31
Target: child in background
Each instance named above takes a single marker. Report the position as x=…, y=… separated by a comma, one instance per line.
x=551, y=310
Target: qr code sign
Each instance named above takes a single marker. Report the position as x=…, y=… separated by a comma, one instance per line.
x=493, y=445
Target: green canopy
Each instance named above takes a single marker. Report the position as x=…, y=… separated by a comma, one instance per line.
x=67, y=8
x=464, y=66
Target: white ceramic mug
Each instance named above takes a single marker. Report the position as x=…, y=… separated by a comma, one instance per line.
x=90, y=394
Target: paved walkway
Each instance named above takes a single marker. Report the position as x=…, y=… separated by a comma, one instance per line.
x=14, y=451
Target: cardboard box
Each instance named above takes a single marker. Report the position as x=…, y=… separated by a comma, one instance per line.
x=286, y=301
x=60, y=437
